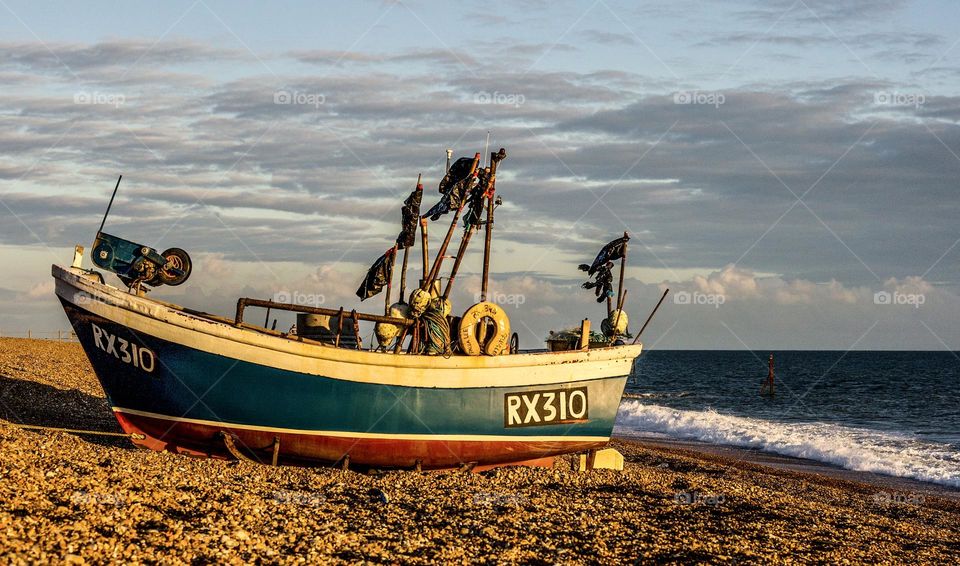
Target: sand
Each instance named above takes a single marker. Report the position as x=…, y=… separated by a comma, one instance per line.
x=75, y=498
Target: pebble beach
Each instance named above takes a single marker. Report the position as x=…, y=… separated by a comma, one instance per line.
x=77, y=498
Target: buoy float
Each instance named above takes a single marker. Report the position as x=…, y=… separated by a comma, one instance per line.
x=497, y=344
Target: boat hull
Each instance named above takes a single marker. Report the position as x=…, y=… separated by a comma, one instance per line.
x=198, y=386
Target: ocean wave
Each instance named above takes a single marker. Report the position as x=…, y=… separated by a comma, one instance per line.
x=851, y=448
x=658, y=395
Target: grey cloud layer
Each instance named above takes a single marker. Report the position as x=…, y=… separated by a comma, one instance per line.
x=235, y=173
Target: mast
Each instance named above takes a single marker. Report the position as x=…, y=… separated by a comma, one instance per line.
x=406, y=256
x=623, y=268
x=495, y=159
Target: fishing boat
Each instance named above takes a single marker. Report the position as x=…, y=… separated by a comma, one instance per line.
x=199, y=384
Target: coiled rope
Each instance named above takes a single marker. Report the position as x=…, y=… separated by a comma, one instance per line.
x=438, y=333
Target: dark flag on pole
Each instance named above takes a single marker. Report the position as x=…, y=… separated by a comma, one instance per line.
x=610, y=252
x=454, y=187
x=411, y=217
x=380, y=273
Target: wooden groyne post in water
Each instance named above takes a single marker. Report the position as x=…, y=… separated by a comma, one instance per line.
x=768, y=388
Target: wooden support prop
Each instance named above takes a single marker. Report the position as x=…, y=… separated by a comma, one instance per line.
x=276, y=451
x=585, y=334
x=649, y=318
x=345, y=465
x=495, y=159
x=438, y=262
x=230, y=441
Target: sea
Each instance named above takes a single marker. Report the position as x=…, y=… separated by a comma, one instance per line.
x=893, y=413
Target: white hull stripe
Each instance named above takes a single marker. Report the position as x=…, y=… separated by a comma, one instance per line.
x=165, y=322
x=370, y=435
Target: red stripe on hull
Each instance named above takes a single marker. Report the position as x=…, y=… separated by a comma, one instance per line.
x=206, y=441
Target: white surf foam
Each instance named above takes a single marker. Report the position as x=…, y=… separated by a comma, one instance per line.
x=851, y=448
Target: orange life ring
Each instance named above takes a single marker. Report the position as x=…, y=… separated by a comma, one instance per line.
x=497, y=344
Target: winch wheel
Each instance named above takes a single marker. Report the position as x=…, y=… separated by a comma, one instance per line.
x=495, y=345
x=176, y=259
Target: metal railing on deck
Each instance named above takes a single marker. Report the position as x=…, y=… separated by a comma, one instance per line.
x=245, y=302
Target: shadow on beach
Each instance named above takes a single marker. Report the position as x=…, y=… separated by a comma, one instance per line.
x=25, y=402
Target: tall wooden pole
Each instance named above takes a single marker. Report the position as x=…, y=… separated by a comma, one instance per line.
x=435, y=271
x=456, y=262
x=623, y=268
x=425, y=249
x=386, y=298
x=649, y=318
x=495, y=159
x=406, y=255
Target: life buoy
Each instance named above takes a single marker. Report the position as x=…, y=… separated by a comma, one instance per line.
x=497, y=344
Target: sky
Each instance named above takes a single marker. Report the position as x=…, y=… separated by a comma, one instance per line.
x=787, y=168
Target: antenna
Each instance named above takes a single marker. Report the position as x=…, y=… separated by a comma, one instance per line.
x=104, y=221
x=486, y=148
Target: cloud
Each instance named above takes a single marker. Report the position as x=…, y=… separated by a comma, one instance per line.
x=608, y=38
x=77, y=58
x=40, y=291
x=262, y=191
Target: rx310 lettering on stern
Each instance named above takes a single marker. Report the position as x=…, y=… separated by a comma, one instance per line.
x=547, y=407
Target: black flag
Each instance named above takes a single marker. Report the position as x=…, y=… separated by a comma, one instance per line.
x=411, y=214
x=380, y=273
x=603, y=284
x=454, y=187
x=610, y=252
